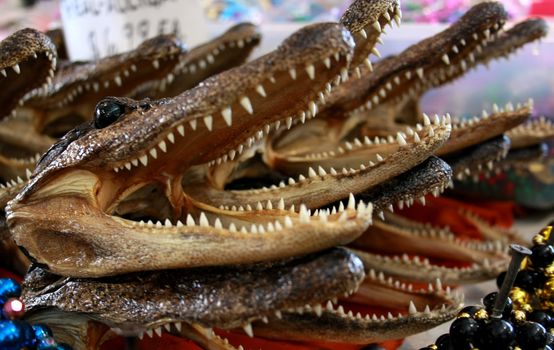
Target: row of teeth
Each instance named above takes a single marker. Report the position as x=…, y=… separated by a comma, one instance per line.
x=26, y=161
x=227, y=116
x=537, y=125
x=409, y=201
x=461, y=175
x=380, y=95
x=304, y=216
x=400, y=139
x=17, y=69
x=424, y=262
x=17, y=181
x=509, y=107
x=321, y=172
x=393, y=12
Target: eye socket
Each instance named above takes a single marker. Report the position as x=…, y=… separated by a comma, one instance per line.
x=107, y=113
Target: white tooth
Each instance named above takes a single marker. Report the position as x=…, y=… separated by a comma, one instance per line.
x=363, y=33
x=310, y=69
x=260, y=90
x=245, y=102
x=144, y=160
x=368, y=64
x=16, y=68
x=154, y=153
x=156, y=64
x=412, y=308
x=227, y=115
x=3, y=71
x=248, y=330
x=288, y=222
x=128, y=166
x=181, y=130
x=311, y=172
x=190, y=220
x=398, y=20
x=171, y=137
x=193, y=124
x=162, y=146
x=376, y=52
x=426, y=120
x=377, y=26
x=208, y=120
x=118, y=81
x=204, y=220
x=351, y=202
x=379, y=158
x=292, y=73
x=419, y=72
x=150, y=333
x=327, y=62
x=445, y=59
x=313, y=108
x=495, y=108
x=400, y=139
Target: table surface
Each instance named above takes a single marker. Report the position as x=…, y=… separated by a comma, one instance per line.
x=528, y=227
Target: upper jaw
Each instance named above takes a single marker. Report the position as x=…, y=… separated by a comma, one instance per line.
x=27, y=61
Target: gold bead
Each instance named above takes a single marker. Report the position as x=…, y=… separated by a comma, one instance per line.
x=525, y=263
x=539, y=239
x=481, y=314
x=464, y=315
x=527, y=308
x=519, y=296
x=434, y=347
x=519, y=315
x=549, y=270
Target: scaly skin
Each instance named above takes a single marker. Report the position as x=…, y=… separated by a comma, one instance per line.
x=27, y=61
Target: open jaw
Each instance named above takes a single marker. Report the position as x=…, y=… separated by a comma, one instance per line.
x=103, y=168
x=203, y=298
x=435, y=58
x=356, y=167
x=27, y=62
x=383, y=308
x=228, y=50
x=77, y=87
x=400, y=238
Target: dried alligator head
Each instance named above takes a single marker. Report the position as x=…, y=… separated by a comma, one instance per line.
x=188, y=302
x=27, y=61
x=139, y=152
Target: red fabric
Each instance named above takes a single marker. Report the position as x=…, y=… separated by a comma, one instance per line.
x=443, y=211
x=542, y=8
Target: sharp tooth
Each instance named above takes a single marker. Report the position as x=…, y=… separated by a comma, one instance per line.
x=245, y=102
x=313, y=108
x=310, y=69
x=204, y=220
x=150, y=333
x=292, y=73
x=445, y=59
x=377, y=26
x=181, y=130
x=363, y=33
x=412, y=308
x=248, y=330
x=495, y=108
x=128, y=166
x=400, y=139
x=190, y=220
x=153, y=153
x=419, y=72
x=193, y=124
x=311, y=172
x=162, y=146
x=208, y=120
x=321, y=171
x=426, y=120
x=118, y=81
x=158, y=331
x=351, y=202
x=171, y=137
x=227, y=114
x=260, y=90
x=368, y=64
x=144, y=160
x=398, y=20
x=156, y=64
x=376, y=52
x=16, y=68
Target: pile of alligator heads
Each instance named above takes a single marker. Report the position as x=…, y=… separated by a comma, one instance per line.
x=242, y=205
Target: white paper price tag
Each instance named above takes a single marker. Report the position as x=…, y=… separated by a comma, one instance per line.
x=99, y=28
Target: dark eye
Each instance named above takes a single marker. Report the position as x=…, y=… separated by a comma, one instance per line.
x=107, y=112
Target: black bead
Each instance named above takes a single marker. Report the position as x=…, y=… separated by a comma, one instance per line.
x=529, y=280
x=107, y=112
x=540, y=317
x=542, y=256
x=444, y=343
x=500, y=279
x=489, y=300
x=374, y=346
x=470, y=310
x=531, y=335
x=495, y=334
x=462, y=332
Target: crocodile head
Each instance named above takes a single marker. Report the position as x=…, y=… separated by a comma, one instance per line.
x=27, y=61
x=134, y=150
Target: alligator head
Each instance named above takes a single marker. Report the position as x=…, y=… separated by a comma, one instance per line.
x=145, y=149
x=27, y=61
